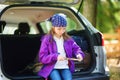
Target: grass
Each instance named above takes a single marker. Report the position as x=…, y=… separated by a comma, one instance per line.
x=114, y=71
x=114, y=74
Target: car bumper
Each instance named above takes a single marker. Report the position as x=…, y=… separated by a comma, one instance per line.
x=80, y=77
x=95, y=76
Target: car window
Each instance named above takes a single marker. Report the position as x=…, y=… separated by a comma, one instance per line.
x=71, y=25
x=9, y=29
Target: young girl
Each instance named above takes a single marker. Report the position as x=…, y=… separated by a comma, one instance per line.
x=56, y=50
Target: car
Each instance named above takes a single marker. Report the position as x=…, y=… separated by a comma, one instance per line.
x=22, y=27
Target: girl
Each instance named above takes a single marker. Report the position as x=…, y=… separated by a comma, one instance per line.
x=56, y=49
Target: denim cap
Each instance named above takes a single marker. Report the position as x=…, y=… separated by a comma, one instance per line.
x=58, y=20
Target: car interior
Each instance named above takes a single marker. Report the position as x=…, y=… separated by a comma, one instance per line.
x=20, y=49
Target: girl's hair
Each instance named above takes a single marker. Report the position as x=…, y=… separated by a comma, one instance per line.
x=65, y=35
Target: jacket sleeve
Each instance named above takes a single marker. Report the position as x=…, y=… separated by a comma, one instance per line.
x=44, y=56
x=76, y=49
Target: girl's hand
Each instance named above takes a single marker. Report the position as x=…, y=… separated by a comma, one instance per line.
x=60, y=58
x=79, y=57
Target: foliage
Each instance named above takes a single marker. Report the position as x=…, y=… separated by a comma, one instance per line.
x=108, y=15
x=108, y=12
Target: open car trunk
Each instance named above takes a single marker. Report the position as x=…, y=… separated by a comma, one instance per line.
x=20, y=52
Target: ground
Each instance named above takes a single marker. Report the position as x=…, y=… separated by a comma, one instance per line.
x=114, y=66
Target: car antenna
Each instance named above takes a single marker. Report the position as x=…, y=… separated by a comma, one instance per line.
x=80, y=6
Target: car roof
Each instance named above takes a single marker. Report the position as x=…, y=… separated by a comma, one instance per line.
x=49, y=1
x=2, y=6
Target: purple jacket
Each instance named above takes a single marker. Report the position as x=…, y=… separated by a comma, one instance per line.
x=48, y=54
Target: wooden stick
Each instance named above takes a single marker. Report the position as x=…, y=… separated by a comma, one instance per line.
x=74, y=59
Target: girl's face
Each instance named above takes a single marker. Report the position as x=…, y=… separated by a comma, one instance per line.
x=59, y=30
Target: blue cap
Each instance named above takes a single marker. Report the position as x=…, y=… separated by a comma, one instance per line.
x=58, y=20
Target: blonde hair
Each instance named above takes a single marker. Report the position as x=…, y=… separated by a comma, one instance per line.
x=65, y=35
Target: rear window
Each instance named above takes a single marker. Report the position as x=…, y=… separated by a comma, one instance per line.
x=45, y=27
x=71, y=25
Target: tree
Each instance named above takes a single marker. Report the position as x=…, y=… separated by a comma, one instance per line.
x=108, y=15
x=90, y=10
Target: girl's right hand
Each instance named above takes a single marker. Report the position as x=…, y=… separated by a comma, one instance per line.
x=60, y=58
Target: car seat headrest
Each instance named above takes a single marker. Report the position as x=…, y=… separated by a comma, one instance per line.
x=23, y=28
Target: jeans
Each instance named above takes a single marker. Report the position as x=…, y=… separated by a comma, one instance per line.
x=60, y=74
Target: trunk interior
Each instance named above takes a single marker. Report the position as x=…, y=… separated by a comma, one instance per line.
x=20, y=51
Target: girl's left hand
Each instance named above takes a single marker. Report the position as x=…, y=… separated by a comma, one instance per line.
x=79, y=57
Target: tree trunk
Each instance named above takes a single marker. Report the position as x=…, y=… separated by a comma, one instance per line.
x=90, y=10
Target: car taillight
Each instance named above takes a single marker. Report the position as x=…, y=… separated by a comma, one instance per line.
x=102, y=39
